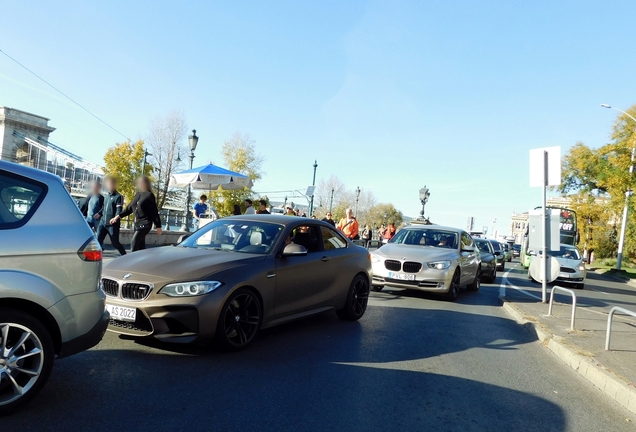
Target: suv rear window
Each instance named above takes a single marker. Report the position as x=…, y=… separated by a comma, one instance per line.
x=19, y=198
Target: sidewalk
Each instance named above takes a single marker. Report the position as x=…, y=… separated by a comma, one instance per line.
x=613, y=372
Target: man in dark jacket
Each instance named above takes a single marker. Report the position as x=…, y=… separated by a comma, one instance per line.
x=113, y=204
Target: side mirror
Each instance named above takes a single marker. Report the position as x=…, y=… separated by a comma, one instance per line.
x=584, y=260
x=182, y=237
x=294, y=250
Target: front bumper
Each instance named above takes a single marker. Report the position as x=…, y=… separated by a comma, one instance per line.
x=429, y=280
x=578, y=277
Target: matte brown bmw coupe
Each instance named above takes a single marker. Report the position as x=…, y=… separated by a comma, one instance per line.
x=234, y=277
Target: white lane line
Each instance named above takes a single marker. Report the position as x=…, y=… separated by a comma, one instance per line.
x=602, y=292
x=505, y=282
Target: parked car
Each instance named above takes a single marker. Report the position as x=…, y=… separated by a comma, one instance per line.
x=428, y=258
x=572, y=265
x=488, y=260
x=499, y=254
x=234, y=277
x=516, y=250
x=507, y=252
x=50, y=301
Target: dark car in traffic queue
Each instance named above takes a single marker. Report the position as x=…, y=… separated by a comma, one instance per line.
x=234, y=277
x=499, y=254
x=516, y=250
x=488, y=260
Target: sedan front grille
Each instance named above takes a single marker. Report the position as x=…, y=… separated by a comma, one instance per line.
x=393, y=265
x=111, y=287
x=141, y=324
x=567, y=270
x=412, y=267
x=135, y=291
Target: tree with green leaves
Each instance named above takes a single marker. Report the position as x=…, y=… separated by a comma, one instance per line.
x=124, y=161
x=597, y=179
x=239, y=155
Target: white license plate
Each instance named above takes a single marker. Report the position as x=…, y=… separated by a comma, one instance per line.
x=402, y=276
x=120, y=313
x=564, y=275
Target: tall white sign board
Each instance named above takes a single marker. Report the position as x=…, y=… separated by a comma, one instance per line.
x=554, y=166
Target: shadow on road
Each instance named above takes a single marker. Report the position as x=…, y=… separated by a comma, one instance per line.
x=317, y=374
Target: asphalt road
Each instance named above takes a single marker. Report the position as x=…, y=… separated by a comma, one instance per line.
x=412, y=363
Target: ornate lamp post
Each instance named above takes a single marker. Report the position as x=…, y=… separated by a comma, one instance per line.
x=313, y=183
x=424, y=195
x=357, y=199
x=143, y=166
x=193, y=140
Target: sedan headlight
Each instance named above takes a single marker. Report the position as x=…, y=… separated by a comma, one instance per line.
x=375, y=258
x=439, y=265
x=581, y=267
x=188, y=289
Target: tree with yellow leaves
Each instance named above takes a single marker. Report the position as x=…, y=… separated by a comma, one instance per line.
x=124, y=162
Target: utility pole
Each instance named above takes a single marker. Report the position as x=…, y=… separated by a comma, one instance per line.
x=313, y=184
x=331, y=201
x=357, y=199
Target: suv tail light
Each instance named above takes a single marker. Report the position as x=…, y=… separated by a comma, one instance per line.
x=91, y=251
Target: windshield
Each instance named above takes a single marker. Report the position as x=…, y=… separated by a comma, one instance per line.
x=567, y=252
x=426, y=237
x=483, y=246
x=232, y=235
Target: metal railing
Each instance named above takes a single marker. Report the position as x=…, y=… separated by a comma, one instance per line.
x=569, y=291
x=612, y=311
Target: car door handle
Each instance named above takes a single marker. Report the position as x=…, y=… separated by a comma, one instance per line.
x=325, y=259
x=271, y=275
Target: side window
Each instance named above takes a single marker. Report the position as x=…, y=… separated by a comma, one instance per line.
x=19, y=199
x=467, y=241
x=332, y=240
x=307, y=236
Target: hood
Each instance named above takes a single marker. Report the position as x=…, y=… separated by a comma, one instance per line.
x=415, y=253
x=567, y=262
x=174, y=263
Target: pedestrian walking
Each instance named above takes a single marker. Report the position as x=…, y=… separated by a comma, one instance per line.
x=262, y=207
x=349, y=225
x=289, y=211
x=367, y=235
x=199, y=209
x=144, y=208
x=249, y=208
x=94, y=205
x=329, y=219
x=388, y=233
x=113, y=205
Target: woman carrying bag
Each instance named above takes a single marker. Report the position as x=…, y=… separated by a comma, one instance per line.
x=144, y=208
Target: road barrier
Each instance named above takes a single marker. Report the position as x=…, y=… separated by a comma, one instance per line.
x=609, y=323
x=569, y=291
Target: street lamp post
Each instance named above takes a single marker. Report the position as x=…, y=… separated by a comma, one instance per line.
x=492, y=225
x=187, y=220
x=331, y=200
x=313, y=184
x=424, y=195
x=143, y=166
x=357, y=199
x=628, y=193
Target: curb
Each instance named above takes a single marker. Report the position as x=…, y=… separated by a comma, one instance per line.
x=607, y=382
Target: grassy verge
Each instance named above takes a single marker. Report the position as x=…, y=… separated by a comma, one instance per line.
x=628, y=270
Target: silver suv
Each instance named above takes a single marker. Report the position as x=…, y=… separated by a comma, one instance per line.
x=50, y=266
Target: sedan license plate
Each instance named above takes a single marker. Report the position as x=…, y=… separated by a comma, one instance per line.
x=564, y=275
x=402, y=276
x=120, y=313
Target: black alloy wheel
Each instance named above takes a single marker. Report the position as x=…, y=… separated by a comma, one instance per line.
x=453, y=291
x=477, y=282
x=357, y=300
x=240, y=320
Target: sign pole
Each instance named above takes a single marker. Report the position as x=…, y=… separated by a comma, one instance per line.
x=544, y=221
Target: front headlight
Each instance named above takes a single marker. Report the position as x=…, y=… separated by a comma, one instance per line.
x=439, y=265
x=375, y=258
x=581, y=267
x=187, y=289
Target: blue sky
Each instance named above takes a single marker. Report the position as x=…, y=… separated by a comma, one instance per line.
x=389, y=96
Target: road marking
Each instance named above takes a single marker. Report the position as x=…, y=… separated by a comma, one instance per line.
x=602, y=292
x=505, y=281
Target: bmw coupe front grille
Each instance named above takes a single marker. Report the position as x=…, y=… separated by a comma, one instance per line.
x=111, y=287
x=393, y=265
x=135, y=291
x=411, y=267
